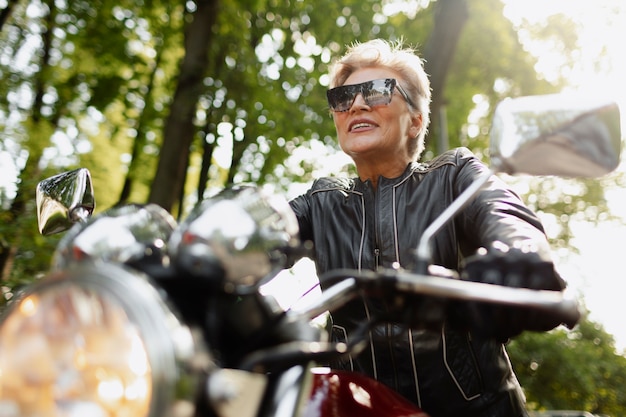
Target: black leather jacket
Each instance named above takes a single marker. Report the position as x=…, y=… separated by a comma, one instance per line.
x=448, y=373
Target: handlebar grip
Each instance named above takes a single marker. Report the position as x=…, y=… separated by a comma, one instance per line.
x=555, y=303
x=567, y=311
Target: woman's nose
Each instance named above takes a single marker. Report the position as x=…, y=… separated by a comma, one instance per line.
x=359, y=101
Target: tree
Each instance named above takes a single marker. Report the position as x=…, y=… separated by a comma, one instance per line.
x=576, y=369
x=39, y=125
x=269, y=70
x=80, y=106
x=450, y=19
x=179, y=127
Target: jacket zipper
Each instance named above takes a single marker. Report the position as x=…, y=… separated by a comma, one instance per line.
x=376, y=258
x=376, y=229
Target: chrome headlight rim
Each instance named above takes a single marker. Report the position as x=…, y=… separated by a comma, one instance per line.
x=176, y=356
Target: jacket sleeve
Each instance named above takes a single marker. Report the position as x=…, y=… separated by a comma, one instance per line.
x=303, y=204
x=497, y=217
x=496, y=214
x=301, y=207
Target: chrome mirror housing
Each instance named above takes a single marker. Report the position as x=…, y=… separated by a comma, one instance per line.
x=568, y=135
x=237, y=239
x=63, y=200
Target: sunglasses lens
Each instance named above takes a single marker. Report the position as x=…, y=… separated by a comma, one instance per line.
x=374, y=93
x=341, y=98
x=378, y=92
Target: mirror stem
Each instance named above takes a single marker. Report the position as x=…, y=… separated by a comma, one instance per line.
x=424, y=249
x=79, y=215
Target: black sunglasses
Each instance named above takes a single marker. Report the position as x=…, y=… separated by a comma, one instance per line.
x=374, y=93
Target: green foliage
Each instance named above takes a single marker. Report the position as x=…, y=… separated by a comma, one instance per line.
x=567, y=200
x=576, y=369
x=489, y=54
x=32, y=257
x=92, y=84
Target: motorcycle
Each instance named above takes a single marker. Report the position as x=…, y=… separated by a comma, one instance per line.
x=143, y=316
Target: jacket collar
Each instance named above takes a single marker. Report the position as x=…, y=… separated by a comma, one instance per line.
x=384, y=182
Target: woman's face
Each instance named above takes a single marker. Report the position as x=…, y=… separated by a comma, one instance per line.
x=378, y=134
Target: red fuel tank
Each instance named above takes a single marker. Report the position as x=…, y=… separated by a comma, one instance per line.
x=349, y=394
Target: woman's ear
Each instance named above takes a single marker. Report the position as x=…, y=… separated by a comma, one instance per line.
x=416, y=125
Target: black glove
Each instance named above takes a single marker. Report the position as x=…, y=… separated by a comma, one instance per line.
x=513, y=268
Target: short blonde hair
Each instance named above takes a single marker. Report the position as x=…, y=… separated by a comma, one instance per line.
x=397, y=57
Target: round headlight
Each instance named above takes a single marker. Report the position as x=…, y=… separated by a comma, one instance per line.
x=96, y=341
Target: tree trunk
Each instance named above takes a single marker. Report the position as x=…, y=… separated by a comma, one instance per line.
x=207, y=156
x=6, y=12
x=179, y=129
x=140, y=139
x=450, y=18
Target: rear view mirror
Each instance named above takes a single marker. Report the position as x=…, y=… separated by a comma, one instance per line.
x=63, y=200
x=559, y=134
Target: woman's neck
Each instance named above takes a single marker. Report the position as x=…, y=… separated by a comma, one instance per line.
x=372, y=172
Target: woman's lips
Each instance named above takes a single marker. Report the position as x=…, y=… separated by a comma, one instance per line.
x=361, y=125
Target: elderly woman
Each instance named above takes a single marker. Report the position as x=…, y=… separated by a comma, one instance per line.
x=379, y=97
